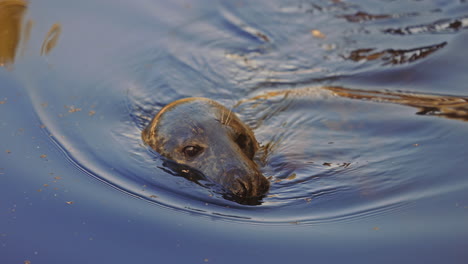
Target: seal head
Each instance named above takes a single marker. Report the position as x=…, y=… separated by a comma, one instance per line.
x=201, y=134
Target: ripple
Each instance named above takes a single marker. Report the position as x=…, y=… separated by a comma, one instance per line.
x=332, y=153
x=391, y=56
x=303, y=186
x=442, y=26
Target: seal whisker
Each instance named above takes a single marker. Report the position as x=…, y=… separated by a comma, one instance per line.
x=228, y=118
x=223, y=121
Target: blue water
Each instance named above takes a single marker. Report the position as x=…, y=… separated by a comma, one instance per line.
x=360, y=109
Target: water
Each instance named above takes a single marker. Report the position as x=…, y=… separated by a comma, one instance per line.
x=360, y=109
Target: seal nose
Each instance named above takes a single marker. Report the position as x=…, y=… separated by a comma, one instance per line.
x=246, y=185
x=237, y=184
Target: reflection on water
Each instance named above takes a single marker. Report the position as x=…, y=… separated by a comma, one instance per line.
x=15, y=32
x=361, y=16
x=439, y=26
x=51, y=39
x=11, y=23
x=330, y=88
x=284, y=69
x=444, y=106
x=391, y=56
x=453, y=107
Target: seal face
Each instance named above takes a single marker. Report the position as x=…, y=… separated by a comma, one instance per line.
x=202, y=135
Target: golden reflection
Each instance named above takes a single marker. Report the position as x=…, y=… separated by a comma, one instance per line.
x=15, y=33
x=51, y=39
x=392, y=56
x=444, y=106
x=11, y=18
x=453, y=107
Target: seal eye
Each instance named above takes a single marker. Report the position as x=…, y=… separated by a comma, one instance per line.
x=241, y=141
x=192, y=151
x=245, y=145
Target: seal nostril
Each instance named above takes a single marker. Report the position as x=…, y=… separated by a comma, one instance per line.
x=243, y=190
x=238, y=183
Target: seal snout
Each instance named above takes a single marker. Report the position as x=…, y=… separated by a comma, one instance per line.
x=246, y=185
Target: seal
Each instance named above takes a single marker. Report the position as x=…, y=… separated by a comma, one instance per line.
x=202, y=135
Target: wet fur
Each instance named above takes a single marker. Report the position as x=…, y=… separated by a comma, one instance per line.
x=223, y=144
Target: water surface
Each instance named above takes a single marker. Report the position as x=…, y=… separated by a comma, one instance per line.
x=360, y=109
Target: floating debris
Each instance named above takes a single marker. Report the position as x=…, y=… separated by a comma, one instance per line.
x=73, y=109
x=291, y=177
x=317, y=33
